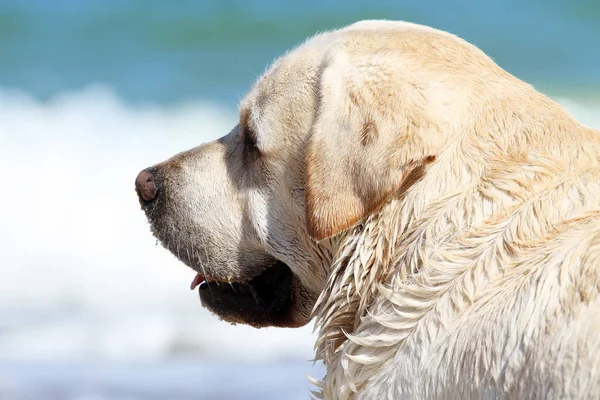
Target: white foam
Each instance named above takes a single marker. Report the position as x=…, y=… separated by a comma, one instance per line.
x=586, y=111
x=81, y=275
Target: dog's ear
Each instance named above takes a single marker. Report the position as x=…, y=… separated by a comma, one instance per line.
x=373, y=135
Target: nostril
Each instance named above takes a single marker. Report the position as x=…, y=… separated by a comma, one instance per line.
x=146, y=185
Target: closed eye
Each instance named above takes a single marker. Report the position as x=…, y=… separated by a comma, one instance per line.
x=249, y=139
x=248, y=136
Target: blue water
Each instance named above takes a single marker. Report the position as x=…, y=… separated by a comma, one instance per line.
x=162, y=51
x=92, y=91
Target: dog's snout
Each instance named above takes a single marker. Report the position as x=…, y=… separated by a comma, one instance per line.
x=146, y=186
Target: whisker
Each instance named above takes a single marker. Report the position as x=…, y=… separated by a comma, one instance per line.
x=232, y=287
x=203, y=270
x=203, y=245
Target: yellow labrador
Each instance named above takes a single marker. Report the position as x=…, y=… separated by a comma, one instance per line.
x=438, y=216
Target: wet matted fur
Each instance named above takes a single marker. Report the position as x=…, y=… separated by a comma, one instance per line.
x=438, y=216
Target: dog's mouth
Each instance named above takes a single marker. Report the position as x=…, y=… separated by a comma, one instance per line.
x=258, y=290
x=268, y=299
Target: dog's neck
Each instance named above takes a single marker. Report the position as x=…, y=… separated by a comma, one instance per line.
x=365, y=258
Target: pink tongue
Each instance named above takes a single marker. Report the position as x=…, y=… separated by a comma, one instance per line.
x=198, y=279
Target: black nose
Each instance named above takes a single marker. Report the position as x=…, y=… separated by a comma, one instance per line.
x=145, y=185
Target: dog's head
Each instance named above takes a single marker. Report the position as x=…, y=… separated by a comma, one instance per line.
x=325, y=137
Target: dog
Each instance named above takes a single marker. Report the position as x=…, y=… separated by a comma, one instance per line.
x=439, y=218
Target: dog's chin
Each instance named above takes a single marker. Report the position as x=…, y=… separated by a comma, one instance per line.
x=274, y=297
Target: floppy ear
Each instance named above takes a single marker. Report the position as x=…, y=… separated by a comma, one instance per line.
x=372, y=135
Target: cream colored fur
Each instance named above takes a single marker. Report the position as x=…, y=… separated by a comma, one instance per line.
x=446, y=214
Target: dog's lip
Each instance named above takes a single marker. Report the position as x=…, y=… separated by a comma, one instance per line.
x=201, y=279
x=267, y=299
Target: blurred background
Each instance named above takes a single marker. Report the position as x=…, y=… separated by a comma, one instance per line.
x=92, y=91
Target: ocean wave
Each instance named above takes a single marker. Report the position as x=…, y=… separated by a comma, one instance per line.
x=81, y=274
